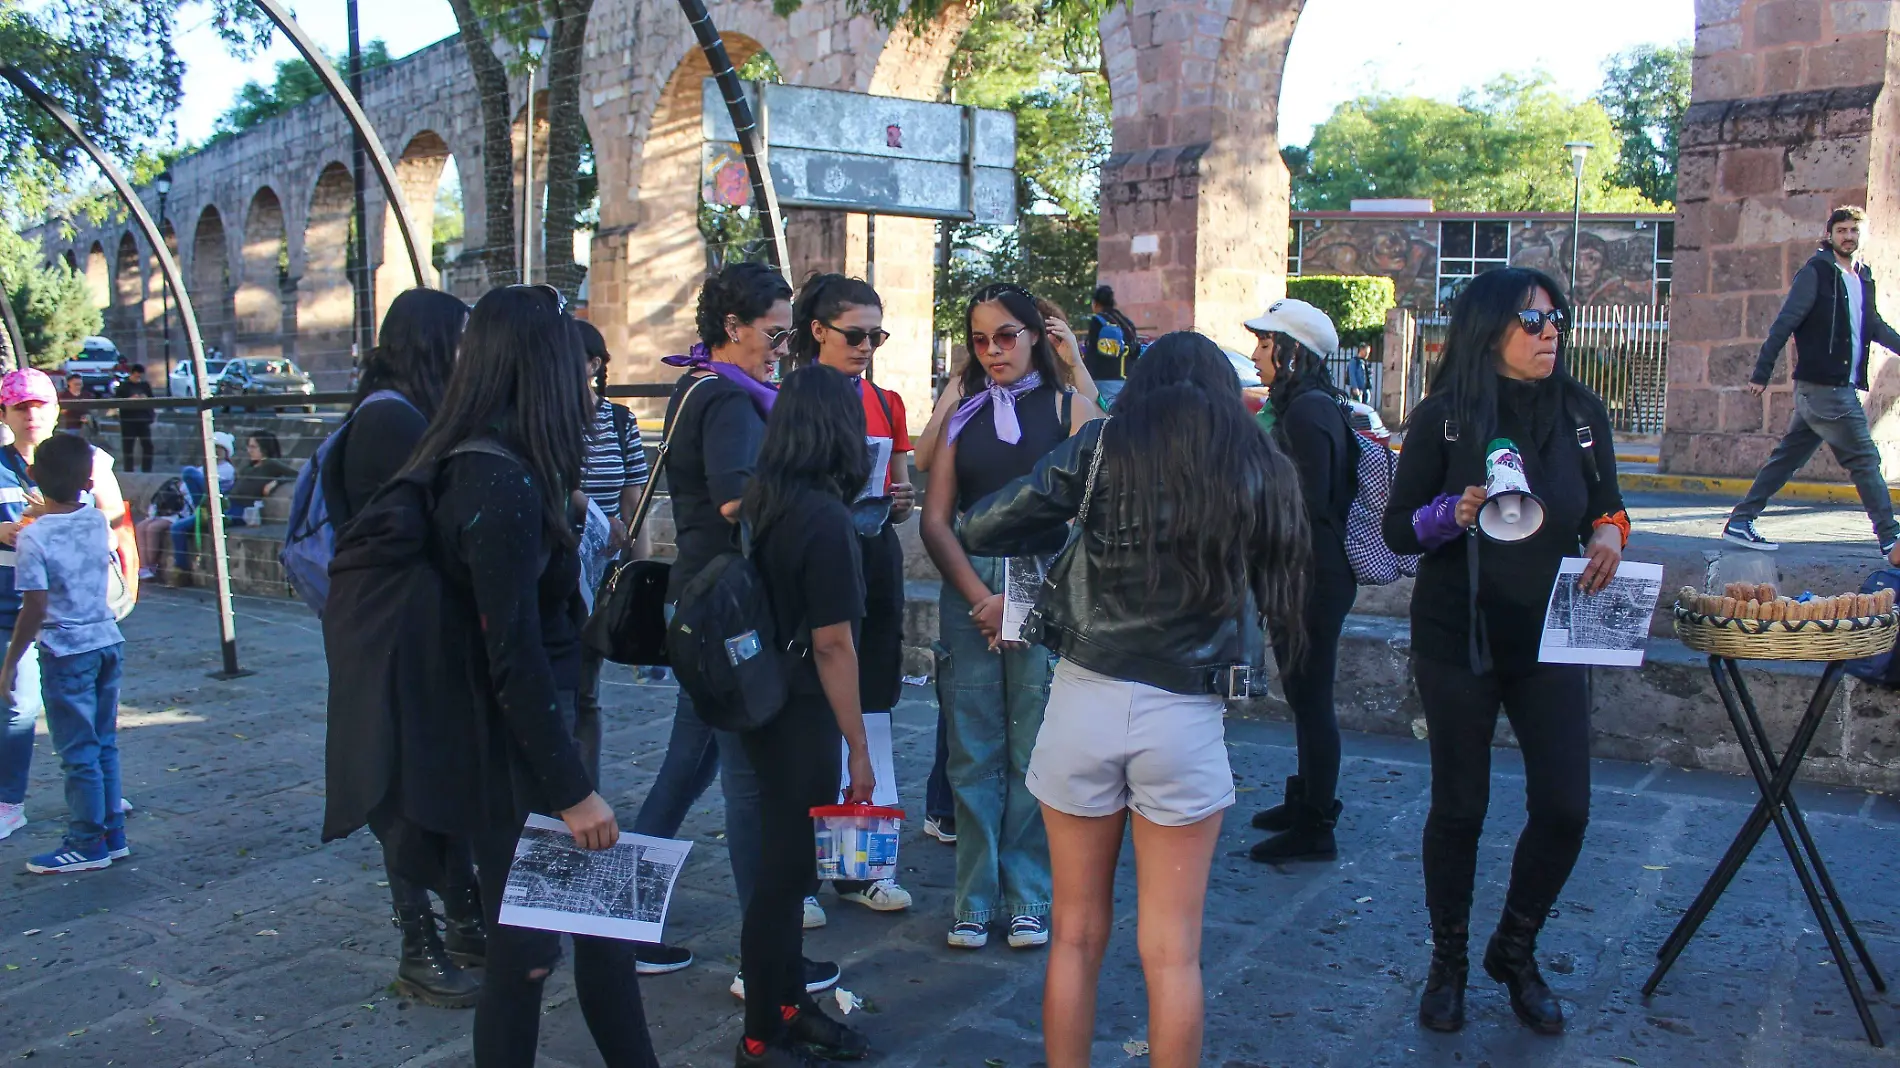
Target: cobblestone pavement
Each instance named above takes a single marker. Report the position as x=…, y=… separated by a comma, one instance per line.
x=231, y=936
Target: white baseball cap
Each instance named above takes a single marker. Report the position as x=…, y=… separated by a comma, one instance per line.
x=224, y=441
x=1300, y=321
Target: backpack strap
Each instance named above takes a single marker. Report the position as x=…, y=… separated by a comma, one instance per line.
x=622, y=417
x=1586, y=440
x=1067, y=410
x=659, y=458
x=889, y=422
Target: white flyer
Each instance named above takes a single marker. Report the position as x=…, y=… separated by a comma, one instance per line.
x=1609, y=628
x=1022, y=584
x=622, y=892
x=880, y=450
x=877, y=738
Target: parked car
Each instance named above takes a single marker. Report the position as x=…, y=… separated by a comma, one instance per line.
x=258, y=374
x=1363, y=418
x=184, y=382
x=98, y=364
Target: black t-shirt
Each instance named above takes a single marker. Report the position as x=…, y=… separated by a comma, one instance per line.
x=708, y=465
x=381, y=436
x=135, y=416
x=810, y=560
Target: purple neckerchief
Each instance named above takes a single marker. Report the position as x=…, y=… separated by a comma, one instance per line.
x=1436, y=524
x=1008, y=429
x=699, y=358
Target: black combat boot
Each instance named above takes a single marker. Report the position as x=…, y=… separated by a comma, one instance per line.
x=466, y=937
x=1511, y=959
x=425, y=972
x=1308, y=837
x=1442, y=1006
x=1280, y=817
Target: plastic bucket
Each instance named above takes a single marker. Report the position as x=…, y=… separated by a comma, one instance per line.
x=856, y=842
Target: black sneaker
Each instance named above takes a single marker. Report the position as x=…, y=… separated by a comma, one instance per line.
x=775, y=1056
x=826, y=1038
x=820, y=975
x=1742, y=532
x=651, y=958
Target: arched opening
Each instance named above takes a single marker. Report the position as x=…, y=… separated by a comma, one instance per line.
x=325, y=308
x=98, y=277
x=71, y=261
x=263, y=326
x=419, y=170
x=209, y=281
x=165, y=338
x=126, y=324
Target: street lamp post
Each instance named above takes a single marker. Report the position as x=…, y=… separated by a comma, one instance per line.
x=1579, y=151
x=163, y=184
x=537, y=44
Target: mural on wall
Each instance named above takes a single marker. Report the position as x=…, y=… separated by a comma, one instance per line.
x=1404, y=250
x=1616, y=263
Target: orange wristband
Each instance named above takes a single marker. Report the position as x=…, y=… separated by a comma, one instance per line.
x=1620, y=519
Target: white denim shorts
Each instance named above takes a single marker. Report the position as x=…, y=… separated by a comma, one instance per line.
x=1107, y=744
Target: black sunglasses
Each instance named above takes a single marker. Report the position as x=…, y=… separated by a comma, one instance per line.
x=560, y=302
x=1533, y=320
x=854, y=337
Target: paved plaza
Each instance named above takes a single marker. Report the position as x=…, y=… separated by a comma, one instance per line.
x=232, y=936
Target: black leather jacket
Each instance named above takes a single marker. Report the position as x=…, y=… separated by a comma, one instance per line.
x=1082, y=603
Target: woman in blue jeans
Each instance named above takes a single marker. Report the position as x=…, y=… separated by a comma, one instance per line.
x=197, y=493
x=992, y=692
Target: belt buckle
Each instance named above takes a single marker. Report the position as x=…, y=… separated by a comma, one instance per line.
x=1236, y=681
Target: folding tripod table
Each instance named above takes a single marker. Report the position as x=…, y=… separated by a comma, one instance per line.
x=1775, y=779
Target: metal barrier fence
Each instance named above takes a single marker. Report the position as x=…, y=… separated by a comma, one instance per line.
x=1359, y=372
x=1620, y=351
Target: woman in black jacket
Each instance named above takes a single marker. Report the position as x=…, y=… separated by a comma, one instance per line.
x=1294, y=338
x=1190, y=520
x=401, y=388
x=1474, y=647
x=505, y=533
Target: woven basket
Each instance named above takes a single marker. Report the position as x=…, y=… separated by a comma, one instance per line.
x=1806, y=639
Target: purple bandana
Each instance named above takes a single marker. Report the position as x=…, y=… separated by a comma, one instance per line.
x=1008, y=430
x=699, y=358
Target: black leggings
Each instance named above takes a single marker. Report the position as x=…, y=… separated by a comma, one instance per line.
x=458, y=877
x=1309, y=685
x=1549, y=709
x=796, y=759
x=508, y=1014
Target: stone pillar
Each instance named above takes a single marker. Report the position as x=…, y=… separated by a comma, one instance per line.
x=1194, y=196
x=1795, y=111
x=904, y=275
x=1394, y=395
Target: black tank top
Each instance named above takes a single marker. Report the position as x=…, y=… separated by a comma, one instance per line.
x=986, y=464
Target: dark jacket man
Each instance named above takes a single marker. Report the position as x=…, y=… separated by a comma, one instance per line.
x=1816, y=315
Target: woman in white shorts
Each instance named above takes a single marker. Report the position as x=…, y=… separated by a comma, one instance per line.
x=1187, y=519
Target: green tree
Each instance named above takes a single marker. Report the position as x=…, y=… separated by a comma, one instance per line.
x=52, y=302
x=1646, y=91
x=1498, y=148
x=296, y=81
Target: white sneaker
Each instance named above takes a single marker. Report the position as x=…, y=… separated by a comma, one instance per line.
x=125, y=804
x=969, y=936
x=881, y=896
x=814, y=913
x=934, y=828
x=1026, y=932
x=12, y=818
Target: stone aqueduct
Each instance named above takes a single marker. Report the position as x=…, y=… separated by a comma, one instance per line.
x=1796, y=108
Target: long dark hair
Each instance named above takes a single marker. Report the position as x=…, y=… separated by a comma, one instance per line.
x=1022, y=307
x=594, y=347
x=415, y=350
x=522, y=379
x=267, y=444
x=1298, y=369
x=825, y=297
x=1468, y=373
x=814, y=440
x=744, y=290
x=1199, y=491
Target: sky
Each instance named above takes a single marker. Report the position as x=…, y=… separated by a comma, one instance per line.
x=1343, y=48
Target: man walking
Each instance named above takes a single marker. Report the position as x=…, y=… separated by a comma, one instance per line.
x=1831, y=314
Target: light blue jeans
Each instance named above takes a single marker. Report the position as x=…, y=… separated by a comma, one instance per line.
x=82, y=712
x=992, y=706
x=694, y=753
x=22, y=711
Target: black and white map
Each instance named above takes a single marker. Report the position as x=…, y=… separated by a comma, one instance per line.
x=1022, y=584
x=622, y=892
x=1609, y=627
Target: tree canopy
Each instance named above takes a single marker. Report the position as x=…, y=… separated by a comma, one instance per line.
x=52, y=302
x=1498, y=148
x=296, y=81
x=1645, y=92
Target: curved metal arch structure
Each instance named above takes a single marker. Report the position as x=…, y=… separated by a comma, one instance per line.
x=352, y=110
x=227, y=621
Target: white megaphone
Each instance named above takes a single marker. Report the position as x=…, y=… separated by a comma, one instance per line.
x=1511, y=511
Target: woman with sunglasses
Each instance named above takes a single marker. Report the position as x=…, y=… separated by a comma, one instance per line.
x=1475, y=646
x=990, y=691
x=839, y=323
x=1074, y=374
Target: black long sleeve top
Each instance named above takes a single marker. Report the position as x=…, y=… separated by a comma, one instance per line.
x=1314, y=434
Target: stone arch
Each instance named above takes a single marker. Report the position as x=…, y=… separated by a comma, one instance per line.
x=164, y=342
x=419, y=172
x=99, y=277
x=325, y=308
x=126, y=324
x=265, y=300
x=209, y=281
x=71, y=260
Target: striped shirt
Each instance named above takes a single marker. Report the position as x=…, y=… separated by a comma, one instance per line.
x=612, y=463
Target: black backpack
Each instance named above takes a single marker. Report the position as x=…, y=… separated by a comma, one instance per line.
x=723, y=644
x=404, y=653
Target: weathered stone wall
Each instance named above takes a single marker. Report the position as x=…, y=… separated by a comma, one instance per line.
x=1794, y=113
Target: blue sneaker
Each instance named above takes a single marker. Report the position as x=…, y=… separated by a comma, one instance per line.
x=69, y=857
x=115, y=845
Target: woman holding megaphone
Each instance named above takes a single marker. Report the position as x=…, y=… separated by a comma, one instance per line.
x=1508, y=468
